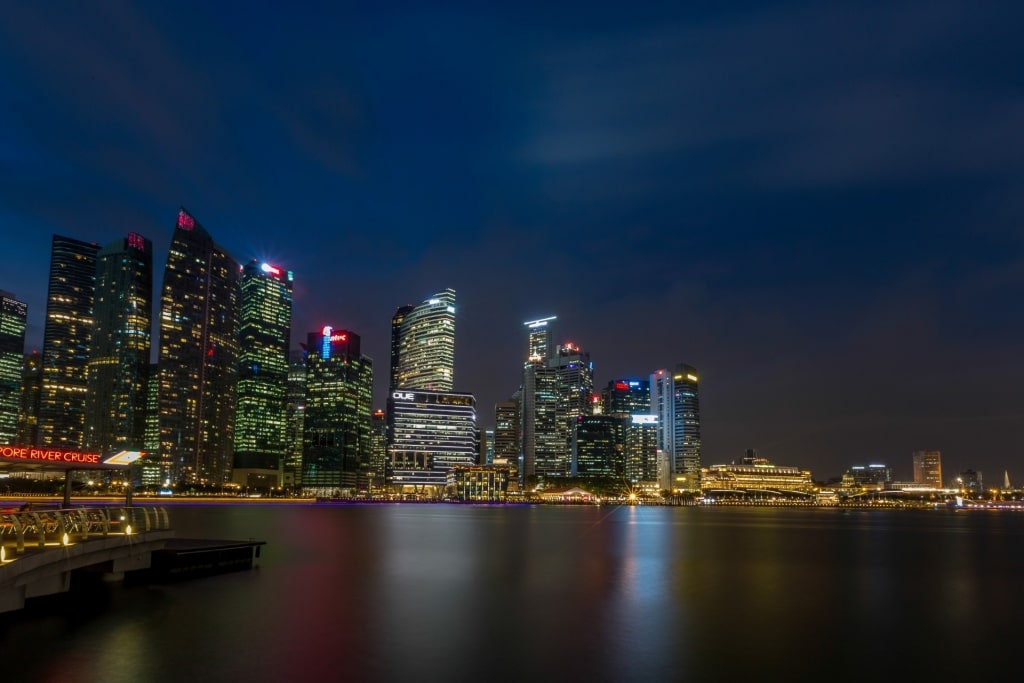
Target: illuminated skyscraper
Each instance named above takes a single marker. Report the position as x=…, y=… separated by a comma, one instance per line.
x=598, y=447
x=31, y=390
x=199, y=309
x=430, y=432
x=928, y=468
x=487, y=447
x=296, y=416
x=676, y=403
x=337, y=441
x=396, y=342
x=574, y=387
x=13, y=316
x=686, y=421
x=261, y=419
x=148, y=472
x=378, y=450
x=118, y=368
x=66, y=338
x=506, y=435
x=423, y=356
x=620, y=447
x=426, y=421
x=556, y=390
x=640, y=449
x=626, y=397
x=538, y=400
x=539, y=344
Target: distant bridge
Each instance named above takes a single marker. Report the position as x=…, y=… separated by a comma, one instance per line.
x=39, y=550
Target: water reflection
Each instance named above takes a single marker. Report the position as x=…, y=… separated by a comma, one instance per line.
x=420, y=592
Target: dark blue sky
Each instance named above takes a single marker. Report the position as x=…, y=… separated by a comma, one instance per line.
x=818, y=205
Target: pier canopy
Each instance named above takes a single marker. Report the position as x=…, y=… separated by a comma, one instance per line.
x=42, y=458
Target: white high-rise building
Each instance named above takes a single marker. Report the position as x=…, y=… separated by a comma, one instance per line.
x=423, y=347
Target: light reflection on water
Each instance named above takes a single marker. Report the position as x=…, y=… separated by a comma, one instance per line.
x=430, y=592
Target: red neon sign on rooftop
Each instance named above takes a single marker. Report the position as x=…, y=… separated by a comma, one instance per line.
x=185, y=221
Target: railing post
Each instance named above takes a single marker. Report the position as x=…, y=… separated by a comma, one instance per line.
x=40, y=531
x=19, y=530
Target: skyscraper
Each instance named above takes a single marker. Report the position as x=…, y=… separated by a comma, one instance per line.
x=118, y=367
x=31, y=390
x=337, y=440
x=148, y=471
x=676, y=404
x=538, y=400
x=626, y=397
x=423, y=356
x=539, y=344
x=261, y=419
x=686, y=421
x=198, y=356
x=13, y=316
x=428, y=425
x=396, y=343
x=557, y=388
x=598, y=447
x=640, y=449
x=928, y=468
x=67, y=335
x=378, y=450
x=292, y=469
x=430, y=432
x=574, y=387
x=506, y=435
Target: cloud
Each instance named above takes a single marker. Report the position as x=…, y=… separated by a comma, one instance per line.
x=798, y=96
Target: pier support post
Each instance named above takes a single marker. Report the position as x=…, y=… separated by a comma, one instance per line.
x=67, y=489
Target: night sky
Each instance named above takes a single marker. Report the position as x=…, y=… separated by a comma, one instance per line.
x=818, y=205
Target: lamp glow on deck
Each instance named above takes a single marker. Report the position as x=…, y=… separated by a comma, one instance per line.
x=128, y=530
x=64, y=540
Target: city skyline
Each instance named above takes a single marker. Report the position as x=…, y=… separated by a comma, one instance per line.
x=830, y=238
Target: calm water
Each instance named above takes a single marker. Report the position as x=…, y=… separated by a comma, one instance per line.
x=434, y=592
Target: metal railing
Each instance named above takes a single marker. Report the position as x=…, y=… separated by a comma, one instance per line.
x=48, y=527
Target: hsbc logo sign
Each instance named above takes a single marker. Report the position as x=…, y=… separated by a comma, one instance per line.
x=402, y=395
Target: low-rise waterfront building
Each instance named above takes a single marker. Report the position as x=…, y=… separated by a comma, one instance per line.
x=873, y=477
x=478, y=483
x=568, y=495
x=756, y=474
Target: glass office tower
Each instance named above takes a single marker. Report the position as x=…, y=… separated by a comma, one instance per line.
x=118, y=368
x=67, y=336
x=261, y=418
x=199, y=310
x=13, y=317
